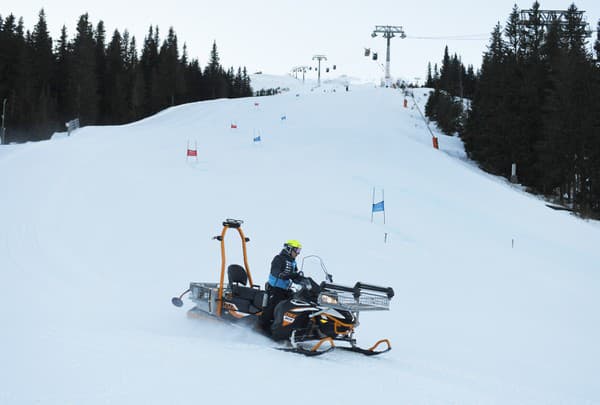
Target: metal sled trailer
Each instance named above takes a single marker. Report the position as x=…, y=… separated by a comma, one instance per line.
x=238, y=298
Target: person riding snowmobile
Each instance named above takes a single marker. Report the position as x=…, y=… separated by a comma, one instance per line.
x=284, y=272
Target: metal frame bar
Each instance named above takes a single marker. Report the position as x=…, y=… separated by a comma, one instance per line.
x=221, y=238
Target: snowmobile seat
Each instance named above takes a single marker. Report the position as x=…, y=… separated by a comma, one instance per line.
x=248, y=299
x=237, y=274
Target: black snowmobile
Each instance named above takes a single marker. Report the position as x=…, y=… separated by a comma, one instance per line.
x=319, y=317
x=327, y=314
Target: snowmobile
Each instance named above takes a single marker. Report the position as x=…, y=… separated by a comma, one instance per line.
x=316, y=320
x=327, y=314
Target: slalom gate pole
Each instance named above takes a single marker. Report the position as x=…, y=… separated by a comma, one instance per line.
x=383, y=199
x=372, y=202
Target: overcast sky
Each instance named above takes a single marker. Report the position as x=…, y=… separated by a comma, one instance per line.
x=275, y=35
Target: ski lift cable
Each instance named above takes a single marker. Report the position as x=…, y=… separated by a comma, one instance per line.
x=473, y=37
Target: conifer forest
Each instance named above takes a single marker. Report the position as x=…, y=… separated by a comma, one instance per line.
x=534, y=103
x=99, y=78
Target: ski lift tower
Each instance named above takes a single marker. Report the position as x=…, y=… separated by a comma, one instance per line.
x=319, y=58
x=548, y=17
x=389, y=32
x=563, y=18
x=301, y=69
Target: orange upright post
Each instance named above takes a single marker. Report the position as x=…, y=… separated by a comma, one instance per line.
x=236, y=224
x=405, y=103
x=435, y=143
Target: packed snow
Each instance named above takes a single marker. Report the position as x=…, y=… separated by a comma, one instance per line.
x=497, y=295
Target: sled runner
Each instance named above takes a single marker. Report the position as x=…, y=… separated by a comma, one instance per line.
x=316, y=320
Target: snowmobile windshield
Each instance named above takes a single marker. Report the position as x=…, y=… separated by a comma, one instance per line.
x=313, y=266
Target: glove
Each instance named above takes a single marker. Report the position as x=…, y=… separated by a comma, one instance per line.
x=296, y=277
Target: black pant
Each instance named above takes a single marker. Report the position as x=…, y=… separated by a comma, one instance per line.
x=276, y=295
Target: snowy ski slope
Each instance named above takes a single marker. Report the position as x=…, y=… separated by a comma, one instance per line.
x=497, y=296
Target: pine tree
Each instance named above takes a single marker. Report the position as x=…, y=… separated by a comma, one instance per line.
x=445, y=70
x=575, y=32
x=12, y=49
x=216, y=78
x=134, y=79
x=115, y=81
x=61, y=78
x=214, y=65
x=551, y=145
x=149, y=66
x=533, y=36
x=485, y=133
x=168, y=69
x=195, y=81
x=84, y=81
x=597, y=43
x=580, y=78
x=100, y=50
x=43, y=114
x=593, y=182
x=27, y=91
x=237, y=84
x=470, y=82
x=247, y=88
x=514, y=33
x=429, y=80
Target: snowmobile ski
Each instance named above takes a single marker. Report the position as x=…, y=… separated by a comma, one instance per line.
x=314, y=350
x=370, y=351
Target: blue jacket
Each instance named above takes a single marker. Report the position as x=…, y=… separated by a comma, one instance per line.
x=283, y=271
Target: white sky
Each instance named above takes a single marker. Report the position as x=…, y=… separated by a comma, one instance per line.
x=275, y=35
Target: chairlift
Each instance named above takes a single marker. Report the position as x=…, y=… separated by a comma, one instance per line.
x=367, y=51
x=333, y=67
x=327, y=70
x=374, y=55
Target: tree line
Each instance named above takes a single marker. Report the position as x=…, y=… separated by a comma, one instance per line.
x=100, y=81
x=451, y=84
x=452, y=77
x=536, y=104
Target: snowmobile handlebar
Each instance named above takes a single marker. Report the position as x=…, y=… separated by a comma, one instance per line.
x=309, y=288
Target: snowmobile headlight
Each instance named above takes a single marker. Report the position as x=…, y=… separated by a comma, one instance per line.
x=328, y=299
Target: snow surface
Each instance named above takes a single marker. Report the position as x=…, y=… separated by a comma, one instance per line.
x=497, y=295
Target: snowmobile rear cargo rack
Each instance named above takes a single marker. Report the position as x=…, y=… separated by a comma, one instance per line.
x=239, y=297
x=205, y=296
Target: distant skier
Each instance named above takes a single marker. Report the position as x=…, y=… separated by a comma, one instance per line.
x=284, y=271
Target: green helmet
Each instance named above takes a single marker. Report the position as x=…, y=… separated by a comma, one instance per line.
x=293, y=243
x=292, y=246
